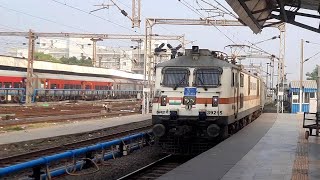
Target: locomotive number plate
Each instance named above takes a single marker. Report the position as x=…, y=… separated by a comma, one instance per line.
x=190, y=91
x=214, y=113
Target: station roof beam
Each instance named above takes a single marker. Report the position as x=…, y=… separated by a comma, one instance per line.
x=256, y=13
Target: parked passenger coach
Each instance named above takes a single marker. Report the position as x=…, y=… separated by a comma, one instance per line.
x=200, y=98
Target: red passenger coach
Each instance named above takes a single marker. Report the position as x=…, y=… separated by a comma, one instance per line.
x=76, y=84
x=52, y=81
x=11, y=82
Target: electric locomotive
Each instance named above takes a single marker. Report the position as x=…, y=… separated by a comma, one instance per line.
x=201, y=98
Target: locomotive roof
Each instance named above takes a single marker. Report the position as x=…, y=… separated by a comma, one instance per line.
x=202, y=61
x=205, y=59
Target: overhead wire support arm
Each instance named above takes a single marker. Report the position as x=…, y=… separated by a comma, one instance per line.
x=136, y=11
x=94, y=36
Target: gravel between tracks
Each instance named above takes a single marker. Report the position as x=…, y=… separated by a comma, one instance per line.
x=38, y=144
x=121, y=166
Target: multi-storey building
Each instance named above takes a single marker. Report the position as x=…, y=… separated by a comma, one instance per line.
x=127, y=59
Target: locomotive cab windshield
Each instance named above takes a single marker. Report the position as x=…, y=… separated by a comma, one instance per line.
x=207, y=77
x=175, y=77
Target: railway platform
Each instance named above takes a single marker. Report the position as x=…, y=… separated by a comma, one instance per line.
x=72, y=128
x=273, y=147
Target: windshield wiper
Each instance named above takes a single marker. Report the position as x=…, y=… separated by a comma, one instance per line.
x=177, y=85
x=204, y=86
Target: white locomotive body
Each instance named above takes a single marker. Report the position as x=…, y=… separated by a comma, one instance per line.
x=200, y=98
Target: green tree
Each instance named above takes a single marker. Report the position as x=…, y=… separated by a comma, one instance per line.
x=74, y=61
x=40, y=56
x=313, y=75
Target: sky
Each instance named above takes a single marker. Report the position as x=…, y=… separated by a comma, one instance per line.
x=71, y=16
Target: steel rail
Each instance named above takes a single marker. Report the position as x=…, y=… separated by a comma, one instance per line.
x=11, y=160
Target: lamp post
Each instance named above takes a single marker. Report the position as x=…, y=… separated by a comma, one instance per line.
x=301, y=77
x=267, y=78
x=302, y=61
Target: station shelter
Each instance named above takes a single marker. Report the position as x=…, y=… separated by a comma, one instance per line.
x=309, y=96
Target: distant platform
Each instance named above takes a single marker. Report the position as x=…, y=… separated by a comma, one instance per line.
x=272, y=147
x=73, y=128
x=16, y=67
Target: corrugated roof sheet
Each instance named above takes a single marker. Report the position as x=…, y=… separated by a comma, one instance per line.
x=247, y=17
x=306, y=84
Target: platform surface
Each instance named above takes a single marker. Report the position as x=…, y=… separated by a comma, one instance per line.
x=72, y=128
x=271, y=148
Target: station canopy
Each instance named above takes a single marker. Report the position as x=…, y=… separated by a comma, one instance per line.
x=258, y=14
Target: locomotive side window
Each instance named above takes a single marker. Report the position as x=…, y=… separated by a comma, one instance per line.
x=258, y=88
x=249, y=83
x=232, y=79
x=207, y=77
x=241, y=100
x=241, y=80
x=0, y=84
x=174, y=77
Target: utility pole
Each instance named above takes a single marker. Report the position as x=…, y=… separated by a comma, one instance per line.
x=318, y=91
x=94, y=51
x=29, y=85
x=282, y=52
x=267, y=78
x=136, y=4
x=301, y=78
x=136, y=11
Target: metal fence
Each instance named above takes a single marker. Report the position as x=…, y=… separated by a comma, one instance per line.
x=46, y=95
x=17, y=95
x=12, y=95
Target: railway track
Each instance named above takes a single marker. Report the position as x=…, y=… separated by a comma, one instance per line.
x=11, y=160
x=62, y=118
x=157, y=168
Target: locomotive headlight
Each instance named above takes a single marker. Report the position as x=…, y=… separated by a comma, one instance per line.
x=189, y=100
x=186, y=100
x=215, y=101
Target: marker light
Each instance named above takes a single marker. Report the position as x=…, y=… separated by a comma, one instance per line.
x=163, y=101
x=215, y=101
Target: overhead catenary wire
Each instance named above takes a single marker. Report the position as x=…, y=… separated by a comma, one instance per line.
x=199, y=13
x=49, y=20
x=91, y=14
x=102, y=18
x=231, y=13
x=228, y=12
x=252, y=44
x=44, y=19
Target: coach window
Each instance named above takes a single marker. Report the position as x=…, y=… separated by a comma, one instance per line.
x=249, y=83
x=175, y=77
x=258, y=88
x=207, y=77
x=66, y=86
x=7, y=85
x=17, y=85
x=0, y=84
x=241, y=100
x=241, y=80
